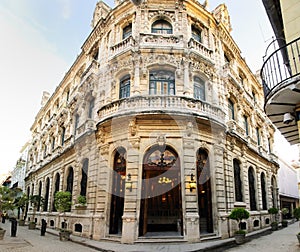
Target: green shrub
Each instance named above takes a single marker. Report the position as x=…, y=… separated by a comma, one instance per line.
x=239, y=214
x=273, y=210
x=81, y=200
x=296, y=213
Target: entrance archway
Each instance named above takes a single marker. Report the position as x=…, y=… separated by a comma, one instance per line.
x=161, y=203
x=204, y=192
x=118, y=190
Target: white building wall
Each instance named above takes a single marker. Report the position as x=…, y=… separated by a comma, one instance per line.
x=287, y=180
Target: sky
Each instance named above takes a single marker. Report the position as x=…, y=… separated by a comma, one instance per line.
x=40, y=40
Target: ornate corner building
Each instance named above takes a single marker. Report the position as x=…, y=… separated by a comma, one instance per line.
x=159, y=123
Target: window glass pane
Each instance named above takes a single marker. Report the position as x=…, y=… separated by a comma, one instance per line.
x=127, y=31
x=162, y=83
x=196, y=34
x=230, y=109
x=246, y=125
x=125, y=87
x=161, y=27
x=199, y=89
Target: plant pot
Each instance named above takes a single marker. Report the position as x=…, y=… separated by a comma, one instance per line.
x=298, y=236
x=284, y=223
x=2, y=233
x=274, y=226
x=64, y=235
x=240, y=238
x=31, y=225
x=21, y=222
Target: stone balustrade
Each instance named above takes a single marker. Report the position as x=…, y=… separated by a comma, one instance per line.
x=164, y=104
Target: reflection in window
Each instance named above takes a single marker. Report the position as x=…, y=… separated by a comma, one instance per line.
x=162, y=27
x=196, y=34
x=231, y=110
x=127, y=31
x=237, y=181
x=162, y=83
x=124, y=87
x=246, y=126
x=252, y=191
x=263, y=191
x=91, y=108
x=199, y=89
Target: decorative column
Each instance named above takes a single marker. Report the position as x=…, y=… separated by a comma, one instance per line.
x=190, y=194
x=130, y=223
x=100, y=205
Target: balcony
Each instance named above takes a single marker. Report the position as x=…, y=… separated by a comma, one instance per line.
x=280, y=76
x=201, y=50
x=125, y=45
x=161, y=104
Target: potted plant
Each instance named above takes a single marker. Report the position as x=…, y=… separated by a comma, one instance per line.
x=3, y=194
x=36, y=202
x=81, y=202
x=274, y=224
x=239, y=214
x=296, y=213
x=284, y=212
x=63, y=202
x=21, y=203
x=298, y=236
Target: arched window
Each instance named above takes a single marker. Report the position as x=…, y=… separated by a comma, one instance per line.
x=84, y=176
x=196, y=34
x=127, y=31
x=231, y=113
x=40, y=195
x=124, y=87
x=161, y=26
x=70, y=180
x=237, y=181
x=46, y=194
x=258, y=136
x=252, y=191
x=274, y=191
x=246, y=125
x=199, y=89
x=76, y=123
x=63, y=133
x=162, y=83
x=263, y=191
x=91, y=108
x=52, y=143
x=56, y=189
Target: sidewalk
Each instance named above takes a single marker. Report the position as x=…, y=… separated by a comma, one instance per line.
x=263, y=240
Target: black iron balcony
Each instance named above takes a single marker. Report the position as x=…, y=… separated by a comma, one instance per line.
x=281, y=67
x=280, y=75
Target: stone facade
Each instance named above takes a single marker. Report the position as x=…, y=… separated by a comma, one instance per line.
x=159, y=98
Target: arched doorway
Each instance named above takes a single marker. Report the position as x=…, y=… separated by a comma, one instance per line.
x=161, y=204
x=118, y=190
x=204, y=192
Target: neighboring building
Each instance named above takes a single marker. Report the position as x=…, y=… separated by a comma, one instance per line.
x=288, y=187
x=296, y=166
x=6, y=181
x=281, y=70
x=18, y=173
x=159, y=122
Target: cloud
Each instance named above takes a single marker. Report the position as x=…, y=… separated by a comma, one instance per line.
x=29, y=65
x=66, y=8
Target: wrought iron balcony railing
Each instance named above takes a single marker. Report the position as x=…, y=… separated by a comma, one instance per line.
x=281, y=66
